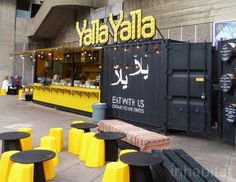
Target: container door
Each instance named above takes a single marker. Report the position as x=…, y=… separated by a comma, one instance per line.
x=188, y=86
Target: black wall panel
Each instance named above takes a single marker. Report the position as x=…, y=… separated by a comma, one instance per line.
x=227, y=62
x=144, y=92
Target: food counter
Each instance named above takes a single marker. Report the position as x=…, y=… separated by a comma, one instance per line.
x=76, y=98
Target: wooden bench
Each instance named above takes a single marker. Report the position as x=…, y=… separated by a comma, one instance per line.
x=137, y=137
x=178, y=166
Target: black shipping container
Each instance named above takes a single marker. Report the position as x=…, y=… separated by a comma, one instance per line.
x=161, y=85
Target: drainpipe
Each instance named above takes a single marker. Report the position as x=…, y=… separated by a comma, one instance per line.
x=14, y=42
x=23, y=66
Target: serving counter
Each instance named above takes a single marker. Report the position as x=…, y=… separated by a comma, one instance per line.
x=75, y=98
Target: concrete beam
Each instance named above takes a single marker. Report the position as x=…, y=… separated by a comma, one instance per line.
x=36, y=25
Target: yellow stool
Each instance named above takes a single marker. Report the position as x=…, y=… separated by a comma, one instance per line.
x=116, y=172
x=48, y=166
x=77, y=122
x=126, y=151
x=20, y=91
x=31, y=90
x=27, y=89
x=74, y=140
x=3, y=92
x=50, y=142
x=84, y=145
x=96, y=153
x=21, y=173
x=59, y=134
x=5, y=165
x=26, y=143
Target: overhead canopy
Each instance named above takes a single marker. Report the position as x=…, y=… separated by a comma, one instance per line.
x=64, y=49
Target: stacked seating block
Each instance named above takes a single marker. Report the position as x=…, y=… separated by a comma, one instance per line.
x=21, y=173
x=50, y=142
x=178, y=166
x=48, y=166
x=3, y=92
x=6, y=164
x=58, y=133
x=138, y=137
x=125, y=151
x=116, y=172
x=74, y=140
x=77, y=121
x=20, y=92
x=26, y=143
x=85, y=145
x=96, y=153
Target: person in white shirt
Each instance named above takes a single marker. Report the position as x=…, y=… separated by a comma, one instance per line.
x=5, y=83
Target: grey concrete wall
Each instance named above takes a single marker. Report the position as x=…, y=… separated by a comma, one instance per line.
x=37, y=24
x=104, y=12
x=183, y=19
x=68, y=35
x=103, y=3
x=22, y=44
x=21, y=29
x=7, y=26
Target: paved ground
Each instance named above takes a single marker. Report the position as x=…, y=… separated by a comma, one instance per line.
x=216, y=156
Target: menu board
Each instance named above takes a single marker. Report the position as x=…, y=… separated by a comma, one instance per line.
x=230, y=113
x=226, y=52
x=226, y=82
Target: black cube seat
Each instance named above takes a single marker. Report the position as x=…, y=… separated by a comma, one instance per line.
x=12, y=91
x=178, y=166
x=28, y=97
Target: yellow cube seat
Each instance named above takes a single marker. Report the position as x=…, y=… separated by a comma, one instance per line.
x=74, y=140
x=96, y=153
x=116, y=172
x=21, y=173
x=26, y=143
x=125, y=152
x=77, y=121
x=3, y=92
x=59, y=134
x=50, y=142
x=48, y=166
x=85, y=141
x=27, y=90
x=20, y=91
x=6, y=164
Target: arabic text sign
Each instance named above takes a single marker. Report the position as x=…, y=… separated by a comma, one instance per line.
x=136, y=27
x=139, y=71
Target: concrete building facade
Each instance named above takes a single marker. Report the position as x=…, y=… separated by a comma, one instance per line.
x=54, y=24
x=7, y=35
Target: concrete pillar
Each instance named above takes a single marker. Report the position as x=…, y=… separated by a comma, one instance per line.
x=7, y=34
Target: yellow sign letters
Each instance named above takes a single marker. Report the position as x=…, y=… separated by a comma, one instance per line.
x=123, y=30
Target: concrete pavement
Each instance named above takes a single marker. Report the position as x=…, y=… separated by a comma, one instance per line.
x=216, y=156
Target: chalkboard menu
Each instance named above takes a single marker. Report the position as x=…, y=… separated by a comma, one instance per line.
x=230, y=113
x=227, y=82
x=228, y=52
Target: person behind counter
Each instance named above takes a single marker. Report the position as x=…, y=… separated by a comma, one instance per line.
x=5, y=83
x=55, y=79
x=83, y=77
